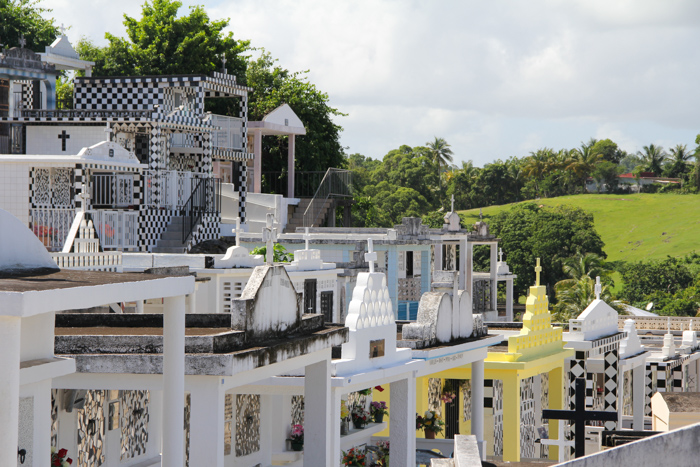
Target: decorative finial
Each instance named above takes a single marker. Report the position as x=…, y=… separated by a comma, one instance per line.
x=538, y=269
x=500, y=255
x=452, y=209
x=371, y=255
x=237, y=231
x=307, y=237
x=22, y=41
x=598, y=288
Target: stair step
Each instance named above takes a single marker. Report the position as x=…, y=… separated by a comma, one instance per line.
x=168, y=249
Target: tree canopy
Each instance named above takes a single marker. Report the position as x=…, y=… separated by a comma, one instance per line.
x=18, y=17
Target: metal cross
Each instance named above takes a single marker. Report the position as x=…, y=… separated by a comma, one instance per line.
x=538, y=270
x=63, y=137
x=307, y=237
x=579, y=416
x=22, y=41
x=237, y=231
x=371, y=255
x=598, y=288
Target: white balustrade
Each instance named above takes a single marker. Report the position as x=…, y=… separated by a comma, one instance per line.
x=51, y=225
x=116, y=229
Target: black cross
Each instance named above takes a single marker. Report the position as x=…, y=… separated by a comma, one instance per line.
x=579, y=416
x=63, y=137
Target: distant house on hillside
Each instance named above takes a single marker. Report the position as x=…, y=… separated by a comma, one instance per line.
x=628, y=181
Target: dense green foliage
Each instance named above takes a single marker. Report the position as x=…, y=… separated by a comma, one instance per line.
x=26, y=17
x=528, y=231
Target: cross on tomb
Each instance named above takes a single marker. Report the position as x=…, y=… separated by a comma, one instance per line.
x=500, y=255
x=22, y=41
x=63, y=137
x=63, y=30
x=307, y=237
x=579, y=416
x=598, y=288
x=223, y=60
x=371, y=255
x=481, y=215
x=452, y=209
x=269, y=237
x=237, y=231
x=84, y=196
x=538, y=270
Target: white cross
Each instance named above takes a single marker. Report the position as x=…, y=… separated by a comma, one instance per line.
x=223, y=59
x=371, y=255
x=84, y=196
x=307, y=237
x=481, y=215
x=237, y=231
x=500, y=255
x=269, y=237
x=63, y=30
x=453, y=204
x=108, y=130
x=22, y=41
x=598, y=288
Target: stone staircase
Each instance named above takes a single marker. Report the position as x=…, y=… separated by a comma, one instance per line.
x=297, y=219
x=171, y=240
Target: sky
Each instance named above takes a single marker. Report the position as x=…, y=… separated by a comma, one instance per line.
x=494, y=78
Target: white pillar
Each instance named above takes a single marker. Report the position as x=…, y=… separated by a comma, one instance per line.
x=464, y=262
x=257, y=162
x=478, y=405
x=509, y=300
x=173, y=380
x=469, y=269
x=437, y=266
x=139, y=307
x=9, y=387
x=336, y=399
x=402, y=423
x=290, y=167
x=492, y=273
x=191, y=302
x=11, y=99
x=317, y=413
x=638, y=397
x=207, y=423
x=41, y=454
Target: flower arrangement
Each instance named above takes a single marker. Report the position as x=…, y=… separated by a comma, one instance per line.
x=378, y=410
x=430, y=422
x=383, y=453
x=360, y=417
x=353, y=458
x=297, y=435
x=448, y=393
x=60, y=458
x=344, y=412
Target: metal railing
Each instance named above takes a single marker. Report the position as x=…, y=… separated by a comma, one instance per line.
x=51, y=226
x=168, y=188
x=230, y=136
x=337, y=183
x=205, y=199
x=116, y=229
x=112, y=190
x=305, y=183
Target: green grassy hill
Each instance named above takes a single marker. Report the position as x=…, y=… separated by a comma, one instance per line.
x=634, y=227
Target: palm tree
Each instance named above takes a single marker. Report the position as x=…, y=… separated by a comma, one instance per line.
x=440, y=152
x=653, y=157
x=583, y=162
x=680, y=153
x=537, y=165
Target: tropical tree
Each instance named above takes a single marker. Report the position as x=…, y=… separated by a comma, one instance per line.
x=678, y=161
x=536, y=165
x=574, y=296
x=653, y=157
x=26, y=18
x=439, y=151
x=582, y=163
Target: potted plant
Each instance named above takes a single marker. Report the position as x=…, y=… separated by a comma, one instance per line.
x=378, y=410
x=297, y=437
x=431, y=423
x=360, y=417
x=60, y=458
x=353, y=458
x=383, y=453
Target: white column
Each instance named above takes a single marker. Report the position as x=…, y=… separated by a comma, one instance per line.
x=11, y=101
x=492, y=273
x=317, y=413
x=41, y=454
x=469, y=269
x=437, y=266
x=509, y=300
x=402, y=423
x=207, y=423
x=257, y=162
x=139, y=307
x=290, y=167
x=173, y=380
x=478, y=405
x=336, y=399
x=9, y=387
x=464, y=261
x=638, y=397
x=191, y=302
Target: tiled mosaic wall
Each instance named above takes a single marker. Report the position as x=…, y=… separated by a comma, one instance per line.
x=528, y=419
x=91, y=431
x=134, y=423
x=466, y=400
x=434, y=392
x=297, y=410
x=247, y=424
x=54, y=417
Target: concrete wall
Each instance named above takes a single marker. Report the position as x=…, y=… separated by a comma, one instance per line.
x=678, y=448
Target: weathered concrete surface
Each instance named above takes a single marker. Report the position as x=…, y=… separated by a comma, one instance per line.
x=678, y=448
x=466, y=452
x=148, y=320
